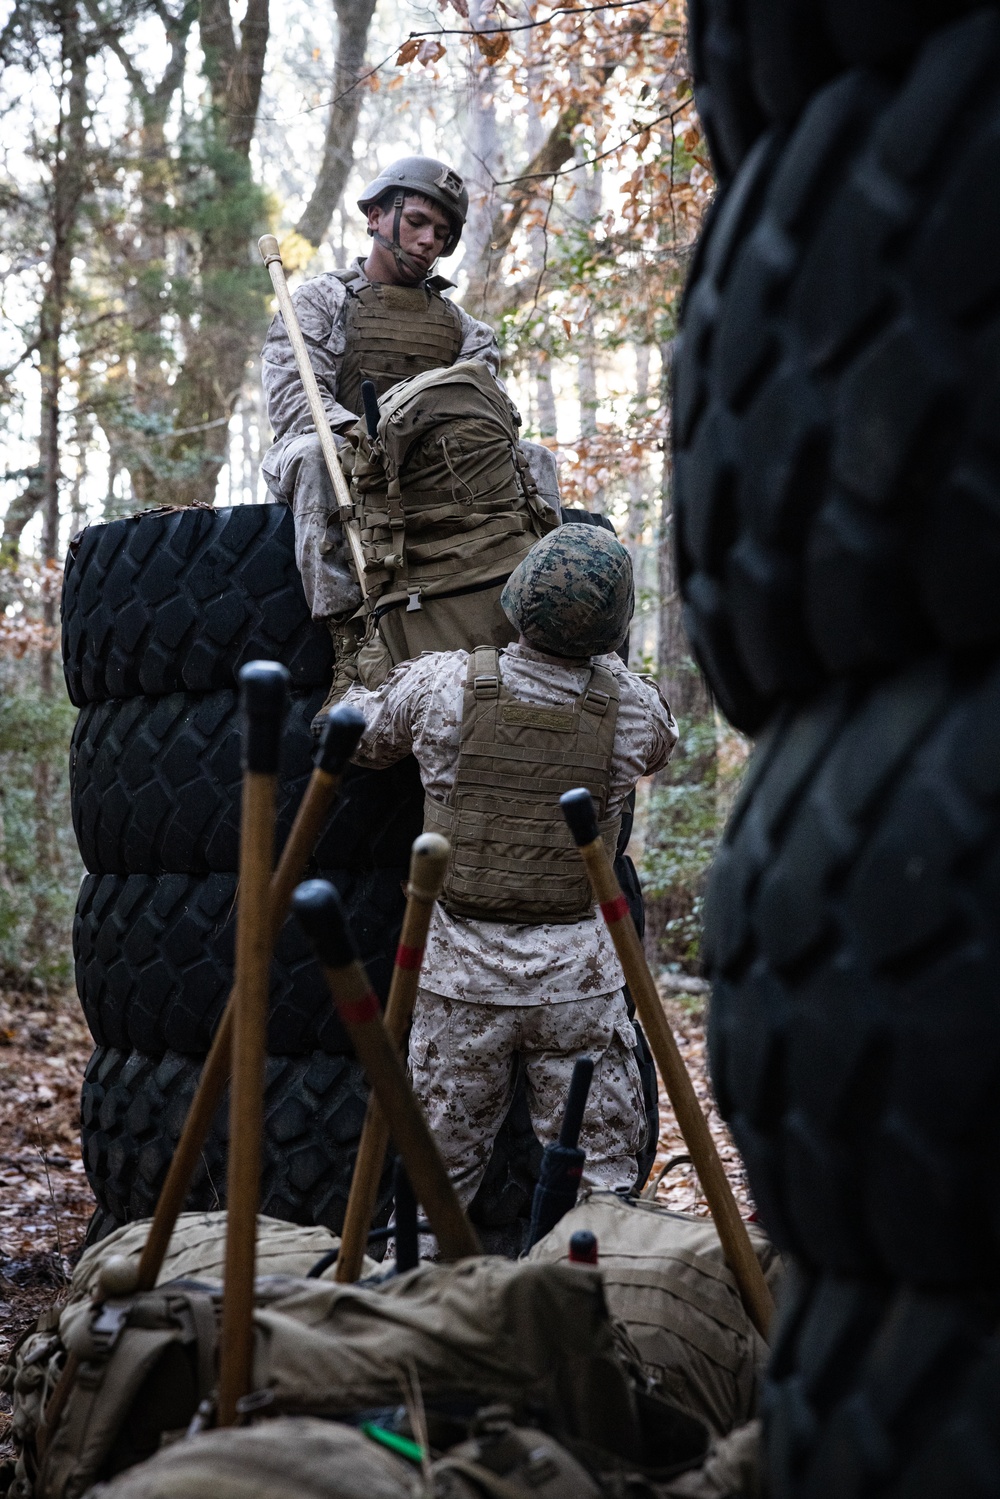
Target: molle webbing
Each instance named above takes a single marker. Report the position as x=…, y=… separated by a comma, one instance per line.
x=512, y=858
x=443, y=496
x=394, y=332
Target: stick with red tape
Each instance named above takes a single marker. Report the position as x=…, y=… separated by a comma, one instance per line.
x=578, y=809
x=428, y=862
x=318, y=908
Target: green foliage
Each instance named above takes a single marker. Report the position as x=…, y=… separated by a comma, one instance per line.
x=684, y=822
x=39, y=865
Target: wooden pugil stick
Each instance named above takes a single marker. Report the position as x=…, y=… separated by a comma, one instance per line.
x=271, y=255
x=264, y=690
x=341, y=732
x=578, y=809
x=317, y=906
x=428, y=861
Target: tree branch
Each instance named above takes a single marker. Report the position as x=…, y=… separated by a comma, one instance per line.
x=354, y=18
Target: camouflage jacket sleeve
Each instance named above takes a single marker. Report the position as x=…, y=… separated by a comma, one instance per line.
x=321, y=306
x=418, y=709
x=479, y=342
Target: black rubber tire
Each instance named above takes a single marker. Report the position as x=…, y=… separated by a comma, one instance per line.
x=757, y=63
x=133, y=1109
x=156, y=787
x=154, y=961
x=852, y=942
x=179, y=600
x=876, y=1392
x=837, y=481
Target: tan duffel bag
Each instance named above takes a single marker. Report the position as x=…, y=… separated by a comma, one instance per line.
x=666, y=1279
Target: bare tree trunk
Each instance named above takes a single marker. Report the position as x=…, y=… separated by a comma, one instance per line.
x=545, y=396
x=482, y=166
x=68, y=183
x=353, y=21
x=589, y=198
x=635, y=523
x=682, y=682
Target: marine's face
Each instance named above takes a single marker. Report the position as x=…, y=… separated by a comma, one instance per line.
x=424, y=228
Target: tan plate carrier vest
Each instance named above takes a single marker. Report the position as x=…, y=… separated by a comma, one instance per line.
x=393, y=332
x=512, y=858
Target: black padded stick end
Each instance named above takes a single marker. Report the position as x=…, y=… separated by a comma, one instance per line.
x=576, y=1102
x=321, y=915
x=369, y=401
x=581, y=816
x=339, y=738
x=264, y=699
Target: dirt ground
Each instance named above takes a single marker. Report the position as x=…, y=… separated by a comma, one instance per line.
x=45, y=1202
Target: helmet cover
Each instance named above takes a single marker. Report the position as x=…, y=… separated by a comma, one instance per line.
x=572, y=595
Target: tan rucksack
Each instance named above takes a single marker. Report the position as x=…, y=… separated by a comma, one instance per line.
x=534, y=1337
x=303, y=1458
x=666, y=1279
x=447, y=507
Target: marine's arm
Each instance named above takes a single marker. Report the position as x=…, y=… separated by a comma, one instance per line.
x=661, y=726
x=393, y=713
x=478, y=341
x=321, y=308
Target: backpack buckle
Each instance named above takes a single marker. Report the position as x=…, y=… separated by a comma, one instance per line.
x=597, y=702
x=485, y=687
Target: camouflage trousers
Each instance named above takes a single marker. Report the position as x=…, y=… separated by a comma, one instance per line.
x=463, y=1064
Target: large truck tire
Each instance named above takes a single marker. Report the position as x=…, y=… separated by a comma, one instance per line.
x=156, y=786
x=179, y=600
x=757, y=65
x=852, y=941
x=881, y=1392
x=154, y=961
x=133, y=1109
x=837, y=475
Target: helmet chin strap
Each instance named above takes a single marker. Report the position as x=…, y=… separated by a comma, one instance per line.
x=404, y=260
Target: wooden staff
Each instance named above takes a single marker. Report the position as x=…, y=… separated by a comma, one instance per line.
x=317, y=905
x=264, y=690
x=578, y=809
x=428, y=862
x=341, y=732
x=271, y=255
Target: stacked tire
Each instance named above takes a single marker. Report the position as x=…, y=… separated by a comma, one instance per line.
x=837, y=482
x=160, y=611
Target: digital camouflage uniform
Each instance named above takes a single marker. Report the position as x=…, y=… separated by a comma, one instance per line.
x=294, y=467
x=549, y=991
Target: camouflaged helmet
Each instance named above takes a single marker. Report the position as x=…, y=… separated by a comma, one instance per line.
x=432, y=179
x=572, y=595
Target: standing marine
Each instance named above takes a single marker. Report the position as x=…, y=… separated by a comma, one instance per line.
x=517, y=964
x=447, y=499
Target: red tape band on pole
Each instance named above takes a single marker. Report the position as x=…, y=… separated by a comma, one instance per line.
x=615, y=910
x=359, y=1011
x=409, y=957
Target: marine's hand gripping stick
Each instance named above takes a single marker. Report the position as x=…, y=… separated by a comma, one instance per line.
x=578, y=809
x=317, y=906
x=428, y=862
x=271, y=255
x=338, y=741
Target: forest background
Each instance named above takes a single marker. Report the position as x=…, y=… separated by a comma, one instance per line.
x=146, y=144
